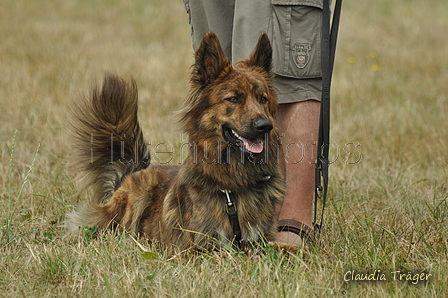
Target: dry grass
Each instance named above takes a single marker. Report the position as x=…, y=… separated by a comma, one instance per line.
x=387, y=211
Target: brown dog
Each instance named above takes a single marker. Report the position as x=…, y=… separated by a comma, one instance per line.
x=228, y=186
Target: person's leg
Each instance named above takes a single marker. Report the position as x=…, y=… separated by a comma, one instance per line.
x=211, y=15
x=296, y=33
x=299, y=122
x=238, y=26
x=252, y=18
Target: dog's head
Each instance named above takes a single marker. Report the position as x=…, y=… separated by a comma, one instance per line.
x=233, y=105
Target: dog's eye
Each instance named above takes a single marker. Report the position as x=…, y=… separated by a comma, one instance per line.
x=263, y=100
x=233, y=99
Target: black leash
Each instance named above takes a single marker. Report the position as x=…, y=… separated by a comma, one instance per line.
x=329, y=39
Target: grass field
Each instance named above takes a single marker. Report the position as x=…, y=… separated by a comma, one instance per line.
x=388, y=199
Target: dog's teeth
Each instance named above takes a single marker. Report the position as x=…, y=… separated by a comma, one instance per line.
x=236, y=134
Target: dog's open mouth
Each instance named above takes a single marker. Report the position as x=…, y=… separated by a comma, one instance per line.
x=252, y=145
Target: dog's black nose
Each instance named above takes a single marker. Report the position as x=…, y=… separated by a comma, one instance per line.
x=263, y=125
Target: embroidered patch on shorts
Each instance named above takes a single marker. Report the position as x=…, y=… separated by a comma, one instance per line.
x=301, y=54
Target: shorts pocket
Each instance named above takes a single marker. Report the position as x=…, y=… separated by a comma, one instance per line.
x=295, y=31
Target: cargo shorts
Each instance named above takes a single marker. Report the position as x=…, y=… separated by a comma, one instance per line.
x=294, y=28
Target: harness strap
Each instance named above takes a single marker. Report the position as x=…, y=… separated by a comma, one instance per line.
x=233, y=216
x=329, y=39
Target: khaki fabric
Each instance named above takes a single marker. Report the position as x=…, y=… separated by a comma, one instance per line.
x=294, y=28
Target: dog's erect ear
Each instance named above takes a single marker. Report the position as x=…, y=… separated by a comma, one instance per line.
x=209, y=60
x=262, y=55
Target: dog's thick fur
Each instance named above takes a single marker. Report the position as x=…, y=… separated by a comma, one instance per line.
x=233, y=140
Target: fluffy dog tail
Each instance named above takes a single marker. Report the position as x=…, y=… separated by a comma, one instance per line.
x=106, y=138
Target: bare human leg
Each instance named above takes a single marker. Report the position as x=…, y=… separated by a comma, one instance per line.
x=299, y=124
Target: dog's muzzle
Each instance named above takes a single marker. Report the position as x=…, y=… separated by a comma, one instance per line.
x=250, y=142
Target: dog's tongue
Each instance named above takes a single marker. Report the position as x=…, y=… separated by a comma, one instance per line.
x=254, y=145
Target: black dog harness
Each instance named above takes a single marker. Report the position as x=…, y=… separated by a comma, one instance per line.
x=232, y=212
